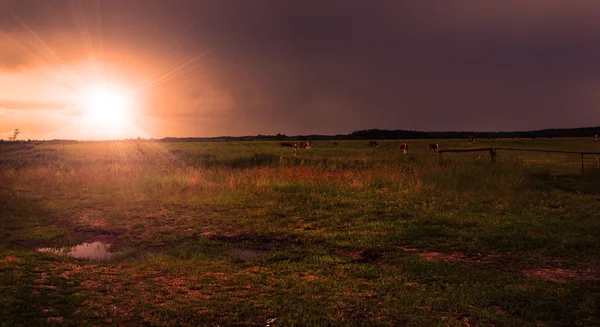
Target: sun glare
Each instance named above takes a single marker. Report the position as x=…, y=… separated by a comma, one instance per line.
x=106, y=105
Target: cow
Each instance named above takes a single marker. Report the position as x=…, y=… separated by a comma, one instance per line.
x=139, y=149
x=404, y=147
x=472, y=139
x=303, y=145
x=434, y=146
x=373, y=144
x=335, y=143
x=287, y=144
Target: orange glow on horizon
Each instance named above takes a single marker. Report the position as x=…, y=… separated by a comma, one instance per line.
x=88, y=81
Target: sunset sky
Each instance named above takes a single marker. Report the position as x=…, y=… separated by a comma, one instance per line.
x=239, y=67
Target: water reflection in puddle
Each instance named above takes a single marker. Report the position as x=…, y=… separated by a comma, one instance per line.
x=93, y=250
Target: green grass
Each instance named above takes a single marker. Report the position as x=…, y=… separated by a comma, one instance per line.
x=335, y=235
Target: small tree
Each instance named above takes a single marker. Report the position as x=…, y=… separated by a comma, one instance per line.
x=15, y=134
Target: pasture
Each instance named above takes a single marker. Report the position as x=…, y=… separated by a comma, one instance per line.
x=255, y=234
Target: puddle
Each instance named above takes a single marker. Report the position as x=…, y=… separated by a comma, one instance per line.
x=246, y=254
x=94, y=250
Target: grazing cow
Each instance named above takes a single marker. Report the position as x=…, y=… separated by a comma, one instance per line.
x=434, y=146
x=287, y=144
x=303, y=145
x=472, y=139
x=404, y=147
x=138, y=149
x=373, y=143
x=335, y=143
x=596, y=137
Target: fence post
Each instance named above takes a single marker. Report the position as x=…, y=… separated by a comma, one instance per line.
x=493, y=154
x=582, y=164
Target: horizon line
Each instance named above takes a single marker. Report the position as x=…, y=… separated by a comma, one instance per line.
x=322, y=135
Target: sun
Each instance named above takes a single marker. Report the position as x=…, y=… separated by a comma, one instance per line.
x=106, y=105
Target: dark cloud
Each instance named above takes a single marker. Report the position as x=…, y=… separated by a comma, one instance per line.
x=337, y=66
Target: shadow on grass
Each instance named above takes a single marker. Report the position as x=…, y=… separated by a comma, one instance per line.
x=582, y=184
x=22, y=220
x=22, y=156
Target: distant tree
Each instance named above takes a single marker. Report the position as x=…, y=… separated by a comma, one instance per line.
x=15, y=134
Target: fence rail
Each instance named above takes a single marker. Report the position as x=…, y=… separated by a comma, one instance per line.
x=492, y=152
x=553, y=151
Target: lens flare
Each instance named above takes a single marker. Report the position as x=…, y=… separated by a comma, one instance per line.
x=106, y=105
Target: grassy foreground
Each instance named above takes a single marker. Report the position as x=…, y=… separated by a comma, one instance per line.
x=252, y=234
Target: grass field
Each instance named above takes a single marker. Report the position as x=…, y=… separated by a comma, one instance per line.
x=253, y=234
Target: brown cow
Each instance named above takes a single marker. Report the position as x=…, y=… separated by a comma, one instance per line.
x=139, y=149
x=373, y=143
x=472, y=139
x=335, y=143
x=287, y=144
x=404, y=147
x=303, y=145
x=434, y=146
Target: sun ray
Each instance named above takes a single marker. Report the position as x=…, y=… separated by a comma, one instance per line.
x=173, y=73
x=82, y=22
x=40, y=55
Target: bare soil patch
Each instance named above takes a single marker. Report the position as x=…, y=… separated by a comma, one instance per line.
x=94, y=219
x=9, y=258
x=227, y=235
x=554, y=274
x=94, y=226
x=247, y=254
x=454, y=256
x=361, y=255
x=560, y=275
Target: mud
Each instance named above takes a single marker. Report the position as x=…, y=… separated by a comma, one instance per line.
x=248, y=254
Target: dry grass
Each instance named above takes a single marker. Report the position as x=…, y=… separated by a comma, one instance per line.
x=347, y=235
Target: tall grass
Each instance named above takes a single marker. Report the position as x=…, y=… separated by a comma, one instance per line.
x=166, y=176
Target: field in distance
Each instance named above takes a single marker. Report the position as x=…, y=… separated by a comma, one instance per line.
x=255, y=234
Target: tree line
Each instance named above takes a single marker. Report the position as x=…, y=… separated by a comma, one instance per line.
x=372, y=134
x=381, y=134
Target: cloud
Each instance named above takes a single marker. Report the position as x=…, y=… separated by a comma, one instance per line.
x=10, y=59
x=334, y=66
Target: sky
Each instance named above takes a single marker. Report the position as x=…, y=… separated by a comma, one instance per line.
x=237, y=67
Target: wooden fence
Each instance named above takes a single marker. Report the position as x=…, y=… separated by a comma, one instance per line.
x=492, y=153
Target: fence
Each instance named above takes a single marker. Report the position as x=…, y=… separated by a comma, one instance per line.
x=563, y=160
